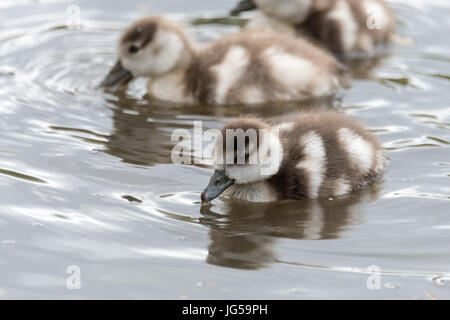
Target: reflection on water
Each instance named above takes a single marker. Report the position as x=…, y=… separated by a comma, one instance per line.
x=244, y=235
x=141, y=135
x=142, y=129
x=86, y=176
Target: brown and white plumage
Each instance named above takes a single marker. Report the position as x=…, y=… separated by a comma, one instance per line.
x=246, y=68
x=346, y=27
x=316, y=155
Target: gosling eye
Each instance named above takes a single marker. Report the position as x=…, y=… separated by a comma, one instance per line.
x=133, y=48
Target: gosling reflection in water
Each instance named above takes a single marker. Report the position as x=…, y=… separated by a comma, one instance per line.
x=141, y=134
x=142, y=129
x=244, y=235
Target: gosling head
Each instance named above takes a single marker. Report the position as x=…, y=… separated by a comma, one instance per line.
x=150, y=47
x=247, y=151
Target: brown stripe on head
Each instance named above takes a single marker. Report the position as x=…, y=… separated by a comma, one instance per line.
x=141, y=32
x=245, y=135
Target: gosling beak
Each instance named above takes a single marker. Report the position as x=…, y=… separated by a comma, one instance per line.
x=118, y=76
x=243, y=5
x=218, y=184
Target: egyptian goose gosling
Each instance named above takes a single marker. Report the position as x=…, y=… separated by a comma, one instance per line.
x=246, y=68
x=316, y=155
x=346, y=27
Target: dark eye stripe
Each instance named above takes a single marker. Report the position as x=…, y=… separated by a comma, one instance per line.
x=133, y=49
x=144, y=32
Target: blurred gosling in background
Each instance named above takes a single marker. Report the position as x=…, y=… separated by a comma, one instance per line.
x=250, y=67
x=345, y=27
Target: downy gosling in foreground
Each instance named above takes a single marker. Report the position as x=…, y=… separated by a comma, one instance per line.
x=346, y=27
x=316, y=155
x=246, y=68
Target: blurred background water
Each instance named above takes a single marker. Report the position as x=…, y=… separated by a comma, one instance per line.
x=86, y=177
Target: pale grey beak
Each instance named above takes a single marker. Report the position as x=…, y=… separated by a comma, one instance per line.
x=244, y=5
x=118, y=76
x=217, y=185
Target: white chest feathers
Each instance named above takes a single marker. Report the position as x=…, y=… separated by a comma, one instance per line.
x=170, y=87
x=253, y=192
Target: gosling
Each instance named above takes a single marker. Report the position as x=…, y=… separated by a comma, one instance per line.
x=246, y=68
x=346, y=27
x=316, y=155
